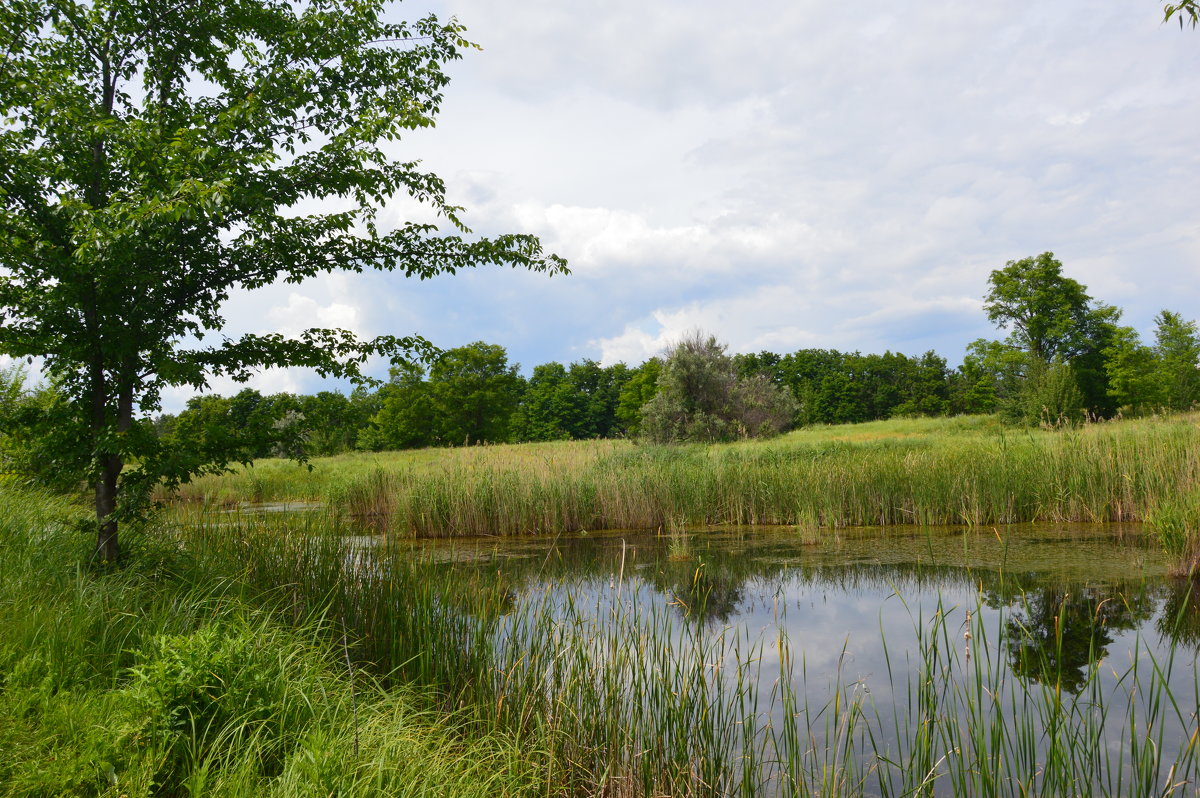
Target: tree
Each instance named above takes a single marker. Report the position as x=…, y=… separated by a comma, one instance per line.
x=407, y=417
x=1165, y=376
x=1133, y=373
x=331, y=422
x=239, y=428
x=552, y=408
x=1177, y=348
x=701, y=398
x=1047, y=312
x=991, y=376
x=475, y=392
x=601, y=389
x=157, y=155
x=638, y=389
x=1052, y=319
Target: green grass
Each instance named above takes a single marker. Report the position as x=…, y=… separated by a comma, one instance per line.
x=172, y=678
x=215, y=663
x=968, y=470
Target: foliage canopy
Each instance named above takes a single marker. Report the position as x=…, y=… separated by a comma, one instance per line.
x=156, y=156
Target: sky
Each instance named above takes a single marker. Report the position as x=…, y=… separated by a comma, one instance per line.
x=787, y=175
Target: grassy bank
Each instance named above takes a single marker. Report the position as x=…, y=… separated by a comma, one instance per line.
x=179, y=676
x=967, y=470
x=216, y=663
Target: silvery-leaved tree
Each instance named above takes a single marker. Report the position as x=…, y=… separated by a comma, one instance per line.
x=156, y=155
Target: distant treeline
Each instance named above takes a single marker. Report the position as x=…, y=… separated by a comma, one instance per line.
x=1065, y=358
x=473, y=394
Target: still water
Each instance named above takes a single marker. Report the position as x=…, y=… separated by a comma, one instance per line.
x=1010, y=660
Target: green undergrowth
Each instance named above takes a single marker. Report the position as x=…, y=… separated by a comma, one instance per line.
x=175, y=676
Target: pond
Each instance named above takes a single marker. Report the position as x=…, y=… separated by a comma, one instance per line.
x=1012, y=660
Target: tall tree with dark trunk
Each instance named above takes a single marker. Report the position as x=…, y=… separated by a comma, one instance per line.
x=156, y=155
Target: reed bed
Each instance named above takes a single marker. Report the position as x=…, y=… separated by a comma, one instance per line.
x=243, y=654
x=620, y=694
x=929, y=472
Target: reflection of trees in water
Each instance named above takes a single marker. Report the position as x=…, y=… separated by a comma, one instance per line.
x=1180, y=618
x=1058, y=627
x=1056, y=633
x=701, y=590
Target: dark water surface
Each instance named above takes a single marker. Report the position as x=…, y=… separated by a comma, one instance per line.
x=1019, y=646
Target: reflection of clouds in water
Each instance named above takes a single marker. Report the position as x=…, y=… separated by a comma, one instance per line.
x=858, y=616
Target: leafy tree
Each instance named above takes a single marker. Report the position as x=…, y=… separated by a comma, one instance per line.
x=1089, y=366
x=1134, y=381
x=637, y=391
x=155, y=158
x=992, y=375
x=241, y=428
x=407, y=418
x=763, y=362
x=1165, y=376
x=552, y=408
x=1052, y=319
x=330, y=421
x=1046, y=312
x=804, y=372
x=601, y=389
x=701, y=398
x=925, y=387
x=475, y=392
x=1177, y=347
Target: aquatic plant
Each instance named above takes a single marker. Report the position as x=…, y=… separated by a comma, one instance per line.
x=929, y=472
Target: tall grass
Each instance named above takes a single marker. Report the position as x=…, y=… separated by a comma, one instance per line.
x=623, y=695
x=172, y=678
x=276, y=655
x=928, y=472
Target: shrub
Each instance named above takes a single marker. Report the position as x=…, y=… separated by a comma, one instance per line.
x=701, y=398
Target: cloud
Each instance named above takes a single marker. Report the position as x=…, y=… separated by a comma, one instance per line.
x=790, y=174
x=304, y=312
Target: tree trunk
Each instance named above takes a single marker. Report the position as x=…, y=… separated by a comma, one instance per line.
x=107, y=548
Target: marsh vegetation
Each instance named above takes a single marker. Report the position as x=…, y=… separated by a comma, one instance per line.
x=969, y=470
x=282, y=653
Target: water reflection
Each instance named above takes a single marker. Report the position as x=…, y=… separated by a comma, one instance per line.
x=1068, y=592
x=1041, y=641
x=1055, y=635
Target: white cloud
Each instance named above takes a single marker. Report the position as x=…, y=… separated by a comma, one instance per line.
x=791, y=174
x=304, y=312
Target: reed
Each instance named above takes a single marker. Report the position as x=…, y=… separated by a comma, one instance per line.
x=622, y=695
x=929, y=472
x=281, y=654
x=170, y=678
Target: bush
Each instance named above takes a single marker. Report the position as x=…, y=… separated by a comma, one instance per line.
x=701, y=398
